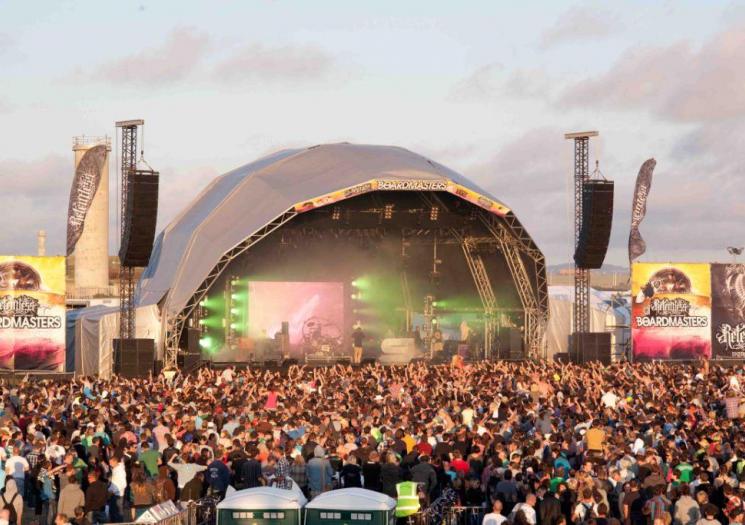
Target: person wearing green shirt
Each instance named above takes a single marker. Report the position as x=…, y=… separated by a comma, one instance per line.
x=685, y=472
x=149, y=458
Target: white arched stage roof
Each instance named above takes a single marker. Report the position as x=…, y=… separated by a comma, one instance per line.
x=241, y=202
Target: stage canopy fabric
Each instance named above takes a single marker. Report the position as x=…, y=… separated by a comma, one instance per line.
x=241, y=202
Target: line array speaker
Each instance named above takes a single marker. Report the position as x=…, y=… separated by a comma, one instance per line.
x=597, y=219
x=134, y=357
x=141, y=214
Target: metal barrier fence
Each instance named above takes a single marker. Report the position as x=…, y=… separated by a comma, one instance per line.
x=449, y=516
x=201, y=512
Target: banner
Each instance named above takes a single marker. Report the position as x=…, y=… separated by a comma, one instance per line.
x=671, y=311
x=32, y=313
x=728, y=310
x=637, y=246
x=403, y=185
x=83, y=190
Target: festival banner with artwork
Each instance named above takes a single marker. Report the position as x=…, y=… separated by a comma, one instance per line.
x=671, y=311
x=728, y=311
x=32, y=313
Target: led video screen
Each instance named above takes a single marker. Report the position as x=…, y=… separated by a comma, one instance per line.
x=313, y=310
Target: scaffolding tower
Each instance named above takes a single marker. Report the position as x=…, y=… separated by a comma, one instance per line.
x=127, y=273
x=581, y=310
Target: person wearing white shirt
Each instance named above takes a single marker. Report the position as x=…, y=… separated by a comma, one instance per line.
x=16, y=467
x=528, y=508
x=117, y=487
x=495, y=516
x=609, y=399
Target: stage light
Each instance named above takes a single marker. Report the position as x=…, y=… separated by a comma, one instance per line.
x=234, y=311
x=336, y=213
x=234, y=297
x=434, y=213
x=353, y=296
x=354, y=283
x=435, y=304
x=234, y=326
x=434, y=321
x=203, y=303
x=205, y=342
x=388, y=211
x=201, y=321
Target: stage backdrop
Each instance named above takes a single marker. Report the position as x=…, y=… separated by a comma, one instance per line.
x=671, y=311
x=32, y=313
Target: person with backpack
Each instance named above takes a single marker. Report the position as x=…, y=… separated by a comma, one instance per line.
x=12, y=501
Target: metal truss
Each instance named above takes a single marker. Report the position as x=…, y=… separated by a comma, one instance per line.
x=533, y=293
x=175, y=324
x=581, y=317
x=126, y=273
x=486, y=292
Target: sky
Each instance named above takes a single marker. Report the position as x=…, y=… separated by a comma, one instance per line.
x=487, y=88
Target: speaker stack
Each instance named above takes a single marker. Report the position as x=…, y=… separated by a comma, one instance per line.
x=586, y=347
x=510, y=344
x=134, y=357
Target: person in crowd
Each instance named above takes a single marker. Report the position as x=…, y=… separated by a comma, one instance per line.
x=142, y=492
x=96, y=498
x=12, y=502
x=319, y=472
x=70, y=497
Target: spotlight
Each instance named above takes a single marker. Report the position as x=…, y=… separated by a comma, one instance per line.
x=203, y=303
x=234, y=297
x=434, y=320
x=434, y=213
x=354, y=296
x=234, y=311
x=201, y=322
x=336, y=213
x=355, y=284
x=388, y=211
x=205, y=342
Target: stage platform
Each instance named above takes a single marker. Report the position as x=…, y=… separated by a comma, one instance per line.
x=15, y=377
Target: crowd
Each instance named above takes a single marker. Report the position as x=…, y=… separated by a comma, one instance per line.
x=533, y=443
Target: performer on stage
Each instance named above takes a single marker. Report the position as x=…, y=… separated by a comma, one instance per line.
x=358, y=336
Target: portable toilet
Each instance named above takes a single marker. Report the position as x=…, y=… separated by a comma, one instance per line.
x=262, y=506
x=353, y=506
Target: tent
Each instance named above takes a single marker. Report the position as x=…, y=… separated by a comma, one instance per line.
x=262, y=506
x=351, y=506
x=609, y=312
x=95, y=330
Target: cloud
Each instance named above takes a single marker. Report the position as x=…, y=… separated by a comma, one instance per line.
x=258, y=62
x=579, y=23
x=534, y=185
x=174, y=60
x=34, y=197
x=492, y=81
x=677, y=82
x=6, y=42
